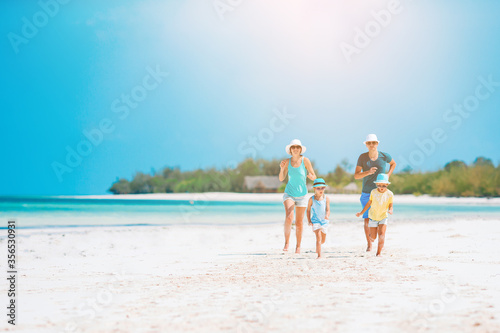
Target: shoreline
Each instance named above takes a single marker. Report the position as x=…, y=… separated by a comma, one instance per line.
x=277, y=197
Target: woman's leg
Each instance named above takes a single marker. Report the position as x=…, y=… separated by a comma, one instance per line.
x=381, y=237
x=299, y=211
x=318, y=242
x=289, y=206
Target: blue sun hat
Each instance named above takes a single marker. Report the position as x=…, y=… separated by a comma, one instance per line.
x=382, y=178
x=319, y=182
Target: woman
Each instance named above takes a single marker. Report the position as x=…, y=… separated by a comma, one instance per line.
x=369, y=166
x=296, y=167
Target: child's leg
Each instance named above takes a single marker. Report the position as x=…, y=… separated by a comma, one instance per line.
x=323, y=237
x=318, y=242
x=373, y=233
x=367, y=234
x=381, y=237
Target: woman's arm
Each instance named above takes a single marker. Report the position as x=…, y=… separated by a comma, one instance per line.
x=392, y=167
x=368, y=204
x=309, y=205
x=310, y=171
x=327, y=215
x=283, y=170
x=358, y=174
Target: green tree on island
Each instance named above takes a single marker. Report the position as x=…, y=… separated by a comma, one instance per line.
x=479, y=179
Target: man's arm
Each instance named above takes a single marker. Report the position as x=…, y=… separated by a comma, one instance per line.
x=359, y=175
x=392, y=164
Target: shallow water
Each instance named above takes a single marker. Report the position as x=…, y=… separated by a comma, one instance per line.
x=47, y=212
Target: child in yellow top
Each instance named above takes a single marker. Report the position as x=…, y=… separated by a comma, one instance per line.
x=380, y=203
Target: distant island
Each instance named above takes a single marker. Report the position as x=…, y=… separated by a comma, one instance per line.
x=479, y=179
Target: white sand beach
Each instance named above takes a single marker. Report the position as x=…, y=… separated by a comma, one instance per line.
x=433, y=276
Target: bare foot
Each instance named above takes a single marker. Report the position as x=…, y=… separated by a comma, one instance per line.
x=369, y=248
x=379, y=254
x=297, y=250
x=320, y=257
x=285, y=249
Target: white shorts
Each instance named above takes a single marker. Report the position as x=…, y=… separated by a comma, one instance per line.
x=322, y=227
x=374, y=224
x=299, y=201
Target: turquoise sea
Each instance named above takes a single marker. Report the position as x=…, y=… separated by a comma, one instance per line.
x=49, y=212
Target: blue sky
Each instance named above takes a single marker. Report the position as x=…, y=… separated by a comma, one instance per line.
x=222, y=76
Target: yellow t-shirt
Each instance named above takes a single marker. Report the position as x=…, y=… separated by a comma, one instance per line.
x=380, y=204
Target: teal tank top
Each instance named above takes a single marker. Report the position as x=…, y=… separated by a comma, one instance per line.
x=318, y=211
x=296, y=186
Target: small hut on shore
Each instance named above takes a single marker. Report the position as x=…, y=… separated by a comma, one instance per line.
x=262, y=184
x=350, y=188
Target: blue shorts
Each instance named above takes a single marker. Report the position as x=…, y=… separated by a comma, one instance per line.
x=365, y=197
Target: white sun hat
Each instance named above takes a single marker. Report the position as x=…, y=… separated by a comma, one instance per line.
x=295, y=142
x=370, y=137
